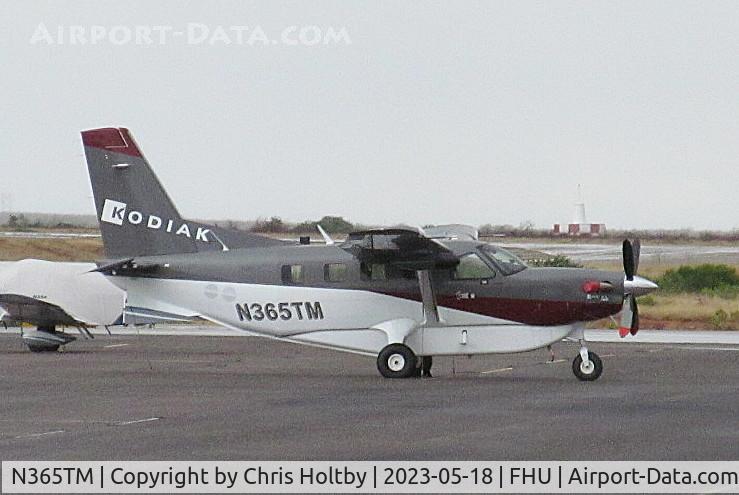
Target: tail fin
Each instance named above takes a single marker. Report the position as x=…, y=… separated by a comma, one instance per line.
x=136, y=216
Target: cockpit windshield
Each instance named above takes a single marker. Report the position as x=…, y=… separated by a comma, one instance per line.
x=508, y=262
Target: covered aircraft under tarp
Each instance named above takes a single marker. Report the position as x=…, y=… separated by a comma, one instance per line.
x=47, y=293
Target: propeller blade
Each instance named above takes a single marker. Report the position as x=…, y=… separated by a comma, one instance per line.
x=629, y=316
x=636, y=248
x=628, y=254
x=635, y=323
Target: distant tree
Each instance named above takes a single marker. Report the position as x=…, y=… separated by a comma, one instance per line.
x=489, y=229
x=273, y=225
x=305, y=227
x=526, y=225
x=17, y=221
x=336, y=225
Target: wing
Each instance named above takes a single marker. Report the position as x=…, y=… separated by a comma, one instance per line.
x=34, y=311
x=453, y=231
x=405, y=248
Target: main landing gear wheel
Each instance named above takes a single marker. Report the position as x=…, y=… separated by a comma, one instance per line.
x=589, y=370
x=45, y=338
x=396, y=361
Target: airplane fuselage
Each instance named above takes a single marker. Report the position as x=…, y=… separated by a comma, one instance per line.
x=303, y=291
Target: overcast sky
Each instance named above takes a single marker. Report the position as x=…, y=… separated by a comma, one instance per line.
x=417, y=112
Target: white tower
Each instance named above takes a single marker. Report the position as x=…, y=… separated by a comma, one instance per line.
x=579, y=225
x=579, y=218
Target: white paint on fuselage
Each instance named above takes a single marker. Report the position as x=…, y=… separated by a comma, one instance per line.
x=342, y=309
x=350, y=319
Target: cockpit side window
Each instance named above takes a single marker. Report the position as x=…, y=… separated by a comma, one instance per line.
x=471, y=266
x=506, y=261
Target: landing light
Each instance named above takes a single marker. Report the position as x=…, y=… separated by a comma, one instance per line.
x=593, y=287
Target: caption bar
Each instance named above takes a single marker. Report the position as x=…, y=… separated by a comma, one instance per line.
x=366, y=477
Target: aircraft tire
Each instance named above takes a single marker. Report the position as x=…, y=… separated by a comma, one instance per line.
x=397, y=361
x=585, y=373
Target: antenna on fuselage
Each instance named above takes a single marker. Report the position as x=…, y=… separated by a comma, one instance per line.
x=223, y=245
x=326, y=237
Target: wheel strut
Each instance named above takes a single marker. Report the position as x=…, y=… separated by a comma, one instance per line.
x=587, y=366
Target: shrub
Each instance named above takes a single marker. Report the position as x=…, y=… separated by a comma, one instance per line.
x=700, y=278
x=647, y=301
x=723, y=292
x=558, y=261
x=719, y=319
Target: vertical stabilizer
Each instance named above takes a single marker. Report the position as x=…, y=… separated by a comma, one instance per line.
x=136, y=216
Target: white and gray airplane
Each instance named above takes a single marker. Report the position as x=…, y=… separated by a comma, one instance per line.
x=398, y=294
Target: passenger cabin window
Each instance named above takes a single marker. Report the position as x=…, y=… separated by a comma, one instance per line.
x=373, y=271
x=334, y=272
x=471, y=266
x=293, y=274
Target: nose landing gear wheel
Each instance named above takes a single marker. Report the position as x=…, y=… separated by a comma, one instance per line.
x=396, y=361
x=589, y=370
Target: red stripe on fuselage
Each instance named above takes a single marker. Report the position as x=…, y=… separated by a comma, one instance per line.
x=527, y=311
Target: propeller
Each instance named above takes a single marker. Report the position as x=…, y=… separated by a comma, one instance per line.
x=630, y=313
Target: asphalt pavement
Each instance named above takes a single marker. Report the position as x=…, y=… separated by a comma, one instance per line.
x=143, y=397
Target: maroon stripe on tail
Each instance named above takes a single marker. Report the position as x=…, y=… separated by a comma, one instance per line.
x=111, y=139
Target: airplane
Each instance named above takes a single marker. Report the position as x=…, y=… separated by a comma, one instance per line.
x=53, y=294
x=400, y=295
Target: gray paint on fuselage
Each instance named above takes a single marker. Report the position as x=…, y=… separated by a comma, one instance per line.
x=264, y=266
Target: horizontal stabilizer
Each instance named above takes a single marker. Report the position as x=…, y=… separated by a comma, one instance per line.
x=127, y=266
x=133, y=315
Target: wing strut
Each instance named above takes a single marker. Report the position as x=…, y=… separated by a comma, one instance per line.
x=428, y=297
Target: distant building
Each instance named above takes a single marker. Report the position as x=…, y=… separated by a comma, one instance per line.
x=580, y=225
